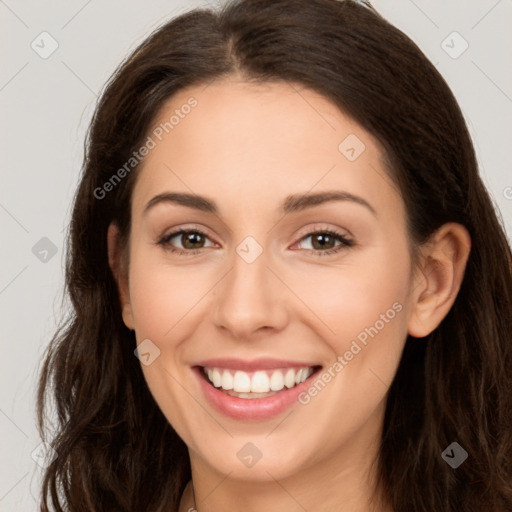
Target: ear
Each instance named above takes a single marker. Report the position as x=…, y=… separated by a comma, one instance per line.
x=117, y=263
x=438, y=280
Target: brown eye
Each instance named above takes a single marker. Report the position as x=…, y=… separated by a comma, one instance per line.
x=323, y=241
x=191, y=240
x=327, y=242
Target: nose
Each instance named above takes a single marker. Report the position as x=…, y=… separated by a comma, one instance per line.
x=250, y=300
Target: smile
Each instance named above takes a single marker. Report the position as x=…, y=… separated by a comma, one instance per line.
x=256, y=384
x=253, y=390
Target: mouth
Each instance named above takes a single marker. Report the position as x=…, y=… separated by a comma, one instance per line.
x=257, y=390
x=257, y=384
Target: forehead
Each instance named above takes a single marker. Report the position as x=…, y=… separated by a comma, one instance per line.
x=269, y=139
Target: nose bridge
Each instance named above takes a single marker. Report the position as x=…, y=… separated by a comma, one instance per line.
x=249, y=297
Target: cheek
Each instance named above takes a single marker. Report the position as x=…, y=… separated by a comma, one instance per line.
x=361, y=310
x=167, y=306
x=161, y=295
x=161, y=298
x=366, y=292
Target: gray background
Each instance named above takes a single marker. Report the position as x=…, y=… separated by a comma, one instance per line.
x=46, y=106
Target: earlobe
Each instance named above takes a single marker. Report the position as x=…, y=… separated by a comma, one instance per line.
x=443, y=263
x=120, y=274
x=128, y=316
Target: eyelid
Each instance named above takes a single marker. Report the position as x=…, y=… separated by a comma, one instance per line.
x=319, y=227
x=185, y=227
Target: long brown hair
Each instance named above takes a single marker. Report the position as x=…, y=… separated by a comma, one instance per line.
x=116, y=450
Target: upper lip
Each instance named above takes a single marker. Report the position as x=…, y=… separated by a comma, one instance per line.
x=254, y=364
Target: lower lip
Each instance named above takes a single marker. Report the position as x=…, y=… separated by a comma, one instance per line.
x=251, y=408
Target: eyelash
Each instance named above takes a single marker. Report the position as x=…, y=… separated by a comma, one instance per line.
x=345, y=242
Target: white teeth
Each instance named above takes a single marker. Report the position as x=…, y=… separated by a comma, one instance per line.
x=241, y=382
x=289, y=378
x=262, y=381
x=307, y=373
x=227, y=380
x=277, y=381
x=250, y=395
x=217, y=378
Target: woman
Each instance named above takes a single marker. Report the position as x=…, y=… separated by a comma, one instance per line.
x=290, y=288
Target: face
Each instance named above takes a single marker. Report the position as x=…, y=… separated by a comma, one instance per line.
x=295, y=302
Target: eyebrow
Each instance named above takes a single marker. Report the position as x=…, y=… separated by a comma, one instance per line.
x=292, y=203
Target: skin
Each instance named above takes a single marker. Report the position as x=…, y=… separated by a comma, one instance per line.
x=248, y=147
